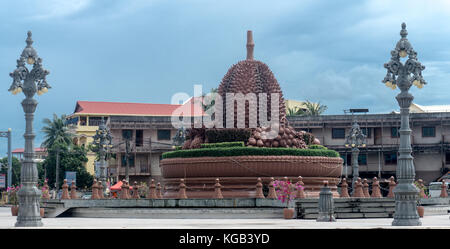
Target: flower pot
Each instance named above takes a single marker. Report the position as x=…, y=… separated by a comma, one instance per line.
x=288, y=213
x=15, y=210
x=420, y=210
x=42, y=212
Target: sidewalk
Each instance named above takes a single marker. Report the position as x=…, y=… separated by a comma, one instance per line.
x=8, y=221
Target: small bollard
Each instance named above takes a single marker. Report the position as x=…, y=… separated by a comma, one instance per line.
x=46, y=192
x=259, y=193
x=376, y=193
x=100, y=190
x=65, y=191
x=123, y=190
x=158, y=192
x=422, y=192
x=366, y=188
x=73, y=191
x=392, y=185
x=94, y=190
x=217, y=190
x=152, y=190
x=344, y=189
x=135, y=191
x=272, y=193
x=326, y=204
x=358, y=191
x=444, y=193
x=182, y=190
x=300, y=191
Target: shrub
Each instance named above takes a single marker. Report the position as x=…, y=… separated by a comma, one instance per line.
x=227, y=135
x=223, y=144
x=317, y=147
x=248, y=151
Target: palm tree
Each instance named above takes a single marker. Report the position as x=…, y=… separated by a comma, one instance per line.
x=57, y=133
x=314, y=109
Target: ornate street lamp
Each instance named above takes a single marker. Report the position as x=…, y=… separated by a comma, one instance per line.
x=102, y=139
x=404, y=76
x=355, y=139
x=34, y=81
x=7, y=134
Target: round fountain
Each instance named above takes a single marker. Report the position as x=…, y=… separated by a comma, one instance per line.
x=258, y=142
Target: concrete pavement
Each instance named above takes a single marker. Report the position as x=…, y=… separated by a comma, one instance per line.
x=8, y=221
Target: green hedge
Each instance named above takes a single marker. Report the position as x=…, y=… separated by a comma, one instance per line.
x=222, y=145
x=317, y=147
x=248, y=151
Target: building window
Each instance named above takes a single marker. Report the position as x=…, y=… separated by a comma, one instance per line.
x=139, y=137
x=429, y=131
x=95, y=121
x=83, y=121
x=367, y=132
x=390, y=158
x=127, y=134
x=394, y=132
x=130, y=161
x=163, y=134
x=447, y=158
x=362, y=159
x=337, y=133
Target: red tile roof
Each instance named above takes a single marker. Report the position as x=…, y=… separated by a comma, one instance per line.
x=21, y=150
x=140, y=109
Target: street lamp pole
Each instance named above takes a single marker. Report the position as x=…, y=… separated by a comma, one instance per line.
x=355, y=139
x=7, y=134
x=404, y=76
x=34, y=81
x=102, y=139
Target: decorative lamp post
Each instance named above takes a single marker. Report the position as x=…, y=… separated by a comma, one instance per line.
x=102, y=139
x=7, y=134
x=34, y=81
x=356, y=139
x=404, y=76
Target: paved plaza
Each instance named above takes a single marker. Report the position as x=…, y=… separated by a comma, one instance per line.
x=8, y=221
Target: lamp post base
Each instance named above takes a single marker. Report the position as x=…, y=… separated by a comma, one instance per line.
x=406, y=195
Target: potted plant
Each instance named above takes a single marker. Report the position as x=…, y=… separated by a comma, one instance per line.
x=420, y=209
x=286, y=192
x=12, y=199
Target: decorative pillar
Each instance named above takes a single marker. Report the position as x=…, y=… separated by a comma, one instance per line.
x=65, y=191
x=73, y=191
x=158, y=192
x=272, y=193
x=376, y=192
x=135, y=191
x=392, y=185
x=217, y=190
x=100, y=190
x=326, y=204
x=94, y=195
x=300, y=191
x=182, y=190
x=358, y=191
x=366, y=188
x=444, y=193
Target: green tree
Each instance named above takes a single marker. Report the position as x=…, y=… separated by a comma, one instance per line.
x=72, y=159
x=56, y=132
x=212, y=96
x=314, y=109
x=16, y=165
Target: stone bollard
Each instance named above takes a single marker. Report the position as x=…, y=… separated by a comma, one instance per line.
x=123, y=190
x=444, y=193
x=376, y=192
x=300, y=191
x=46, y=192
x=218, y=190
x=326, y=204
x=366, y=188
x=344, y=189
x=392, y=185
x=272, y=193
x=358, y=191
x=100, y=190
x=128, y=190
x=152, y=190
x=158, y=190
x=73, y=191
x=182, y=190
x=65, y=191
x=135, y=191
x=259, y=192
x=422, y=192
x=94, y=190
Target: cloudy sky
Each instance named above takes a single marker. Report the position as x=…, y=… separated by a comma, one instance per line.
x=330, y=52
